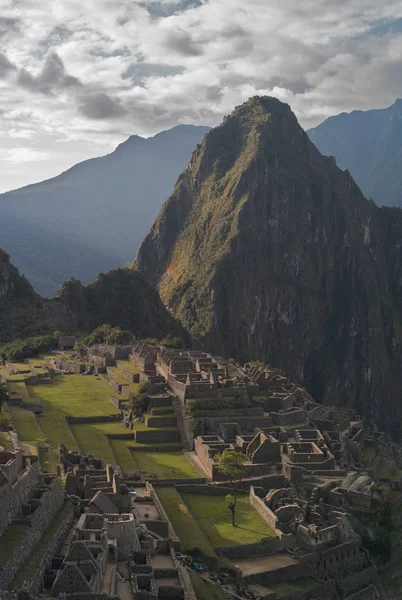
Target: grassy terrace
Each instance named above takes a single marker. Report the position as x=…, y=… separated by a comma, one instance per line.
x=90, y=440
x=27, y=425
x=139, y=426
x=18, y=387
x=129, y=366
x=184, y=524
x=165, y=465
x=306, y=584
x=12, y=537
x=69, y=395
x=118, y=375
x=205, y=590
x=35, y=558
x=213, y=517
x=124, y=457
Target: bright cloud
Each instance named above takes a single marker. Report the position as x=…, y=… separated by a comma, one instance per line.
x=89, y=74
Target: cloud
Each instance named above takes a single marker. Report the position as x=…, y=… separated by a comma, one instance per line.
x=5, y=66
x=24, y=155
x=97, y=71
x=52, y=77
x=100, y=105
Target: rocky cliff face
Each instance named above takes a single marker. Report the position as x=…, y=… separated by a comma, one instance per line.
x=266, y=250
x=21, y=309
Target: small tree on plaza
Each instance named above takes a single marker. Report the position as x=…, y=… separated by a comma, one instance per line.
x=231, y=464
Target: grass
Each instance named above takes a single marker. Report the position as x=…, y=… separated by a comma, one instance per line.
x=166, y=465
x=282, y=589
x=214, y=518
x=386, y=469
x=184, y=524
x=69, y=395
x=49, y=460
x=37, y=555
x=91, y=441
x=26, y=424
x=10, y=540
x=124, y=457
x=205, y=590
x=118, y=376
x=18, y=387
x=129, y=366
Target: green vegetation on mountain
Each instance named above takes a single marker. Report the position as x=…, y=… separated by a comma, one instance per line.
x=117, y=305
x=121, y=298
x=267, y=251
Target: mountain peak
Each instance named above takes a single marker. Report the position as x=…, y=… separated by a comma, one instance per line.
x=267, y=250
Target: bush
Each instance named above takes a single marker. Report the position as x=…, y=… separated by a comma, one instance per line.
x=172, y=342
x=106, y=334
x=20, y=349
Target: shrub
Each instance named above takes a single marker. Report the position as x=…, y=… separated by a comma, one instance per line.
x=26, y=348
x=106, y=334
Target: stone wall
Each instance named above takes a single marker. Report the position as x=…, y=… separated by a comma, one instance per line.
x=34, y=584
x=12, y=496
x=94, y=419
x=50, y=502
x=283, y=575
x=159, y=507
x=263, y=510
x=266, y=547
x=157, y=435
x=161, y=421
x=209, y=490
x=118, y=402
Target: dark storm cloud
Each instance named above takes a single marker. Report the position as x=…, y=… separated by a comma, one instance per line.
x=52, y=77
x=99, y=105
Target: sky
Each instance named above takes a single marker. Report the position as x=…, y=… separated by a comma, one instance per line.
x=77, y=77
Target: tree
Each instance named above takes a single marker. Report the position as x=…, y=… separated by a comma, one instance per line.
x=138, y=403
x=3, y=395
x=231, y=464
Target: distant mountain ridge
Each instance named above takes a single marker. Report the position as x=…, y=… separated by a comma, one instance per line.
x=369, y=145
x=121, y=298
x=267, y=251
x=92, y=217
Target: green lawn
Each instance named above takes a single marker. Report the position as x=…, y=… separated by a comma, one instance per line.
x=69, y=395
x=124, y=457
x=205, y=590
x=118, y=375
x=184, y=524
x=129, y=366
x=165, y=465
x=214, y=518
x=91, y=440
x=18, y=387
x=26, y=424
x=12, y=537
